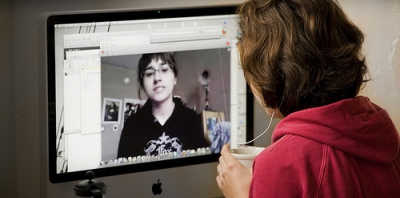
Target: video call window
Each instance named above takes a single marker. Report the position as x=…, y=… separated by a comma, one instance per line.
x=190, y=88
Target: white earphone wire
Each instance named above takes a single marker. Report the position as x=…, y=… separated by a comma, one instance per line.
x=269, y=125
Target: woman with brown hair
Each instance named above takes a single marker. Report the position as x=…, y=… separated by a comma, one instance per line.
x=303, y=62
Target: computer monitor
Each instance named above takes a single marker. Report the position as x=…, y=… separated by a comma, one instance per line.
x=104, y=71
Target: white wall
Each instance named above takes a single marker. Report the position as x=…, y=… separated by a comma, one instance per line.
x=19, y=136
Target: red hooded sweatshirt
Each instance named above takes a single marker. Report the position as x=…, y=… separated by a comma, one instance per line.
x=346, y=149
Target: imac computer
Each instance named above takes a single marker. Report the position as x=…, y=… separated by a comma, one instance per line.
x=105, y=81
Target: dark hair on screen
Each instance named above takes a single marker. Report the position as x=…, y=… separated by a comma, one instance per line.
x=129, y=105
x=300, y=54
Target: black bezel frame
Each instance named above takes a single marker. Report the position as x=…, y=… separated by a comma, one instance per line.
x=94, y=16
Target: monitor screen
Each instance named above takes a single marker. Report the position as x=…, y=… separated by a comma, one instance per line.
x=133, y=91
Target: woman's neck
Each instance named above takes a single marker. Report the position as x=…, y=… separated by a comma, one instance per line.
x=163, y=110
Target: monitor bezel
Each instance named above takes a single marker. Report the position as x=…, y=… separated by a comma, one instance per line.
x=103, y=16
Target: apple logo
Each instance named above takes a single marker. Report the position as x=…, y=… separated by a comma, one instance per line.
x=156, y=188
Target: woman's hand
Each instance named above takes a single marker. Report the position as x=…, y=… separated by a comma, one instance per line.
x=233, y=178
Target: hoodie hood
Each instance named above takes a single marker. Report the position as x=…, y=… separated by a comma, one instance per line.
x=355, y=126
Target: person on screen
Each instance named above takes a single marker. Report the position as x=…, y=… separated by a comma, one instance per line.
x=303, y=62
x=164, y=124
x=111, y=112
x=128, y=111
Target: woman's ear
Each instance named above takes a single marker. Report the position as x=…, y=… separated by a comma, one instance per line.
x=175, y=81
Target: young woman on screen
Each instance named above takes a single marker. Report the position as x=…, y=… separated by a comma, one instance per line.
x=163, y=124
x=303, y=61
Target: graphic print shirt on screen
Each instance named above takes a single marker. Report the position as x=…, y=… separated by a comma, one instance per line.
x=144, y=135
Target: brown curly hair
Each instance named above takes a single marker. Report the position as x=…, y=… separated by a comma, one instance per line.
x=300, y=54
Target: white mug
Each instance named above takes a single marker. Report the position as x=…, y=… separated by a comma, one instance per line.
x=246, y=154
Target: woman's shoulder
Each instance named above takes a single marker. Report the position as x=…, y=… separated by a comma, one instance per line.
x=291, y=149
x=182, y=108
x=139, y=116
